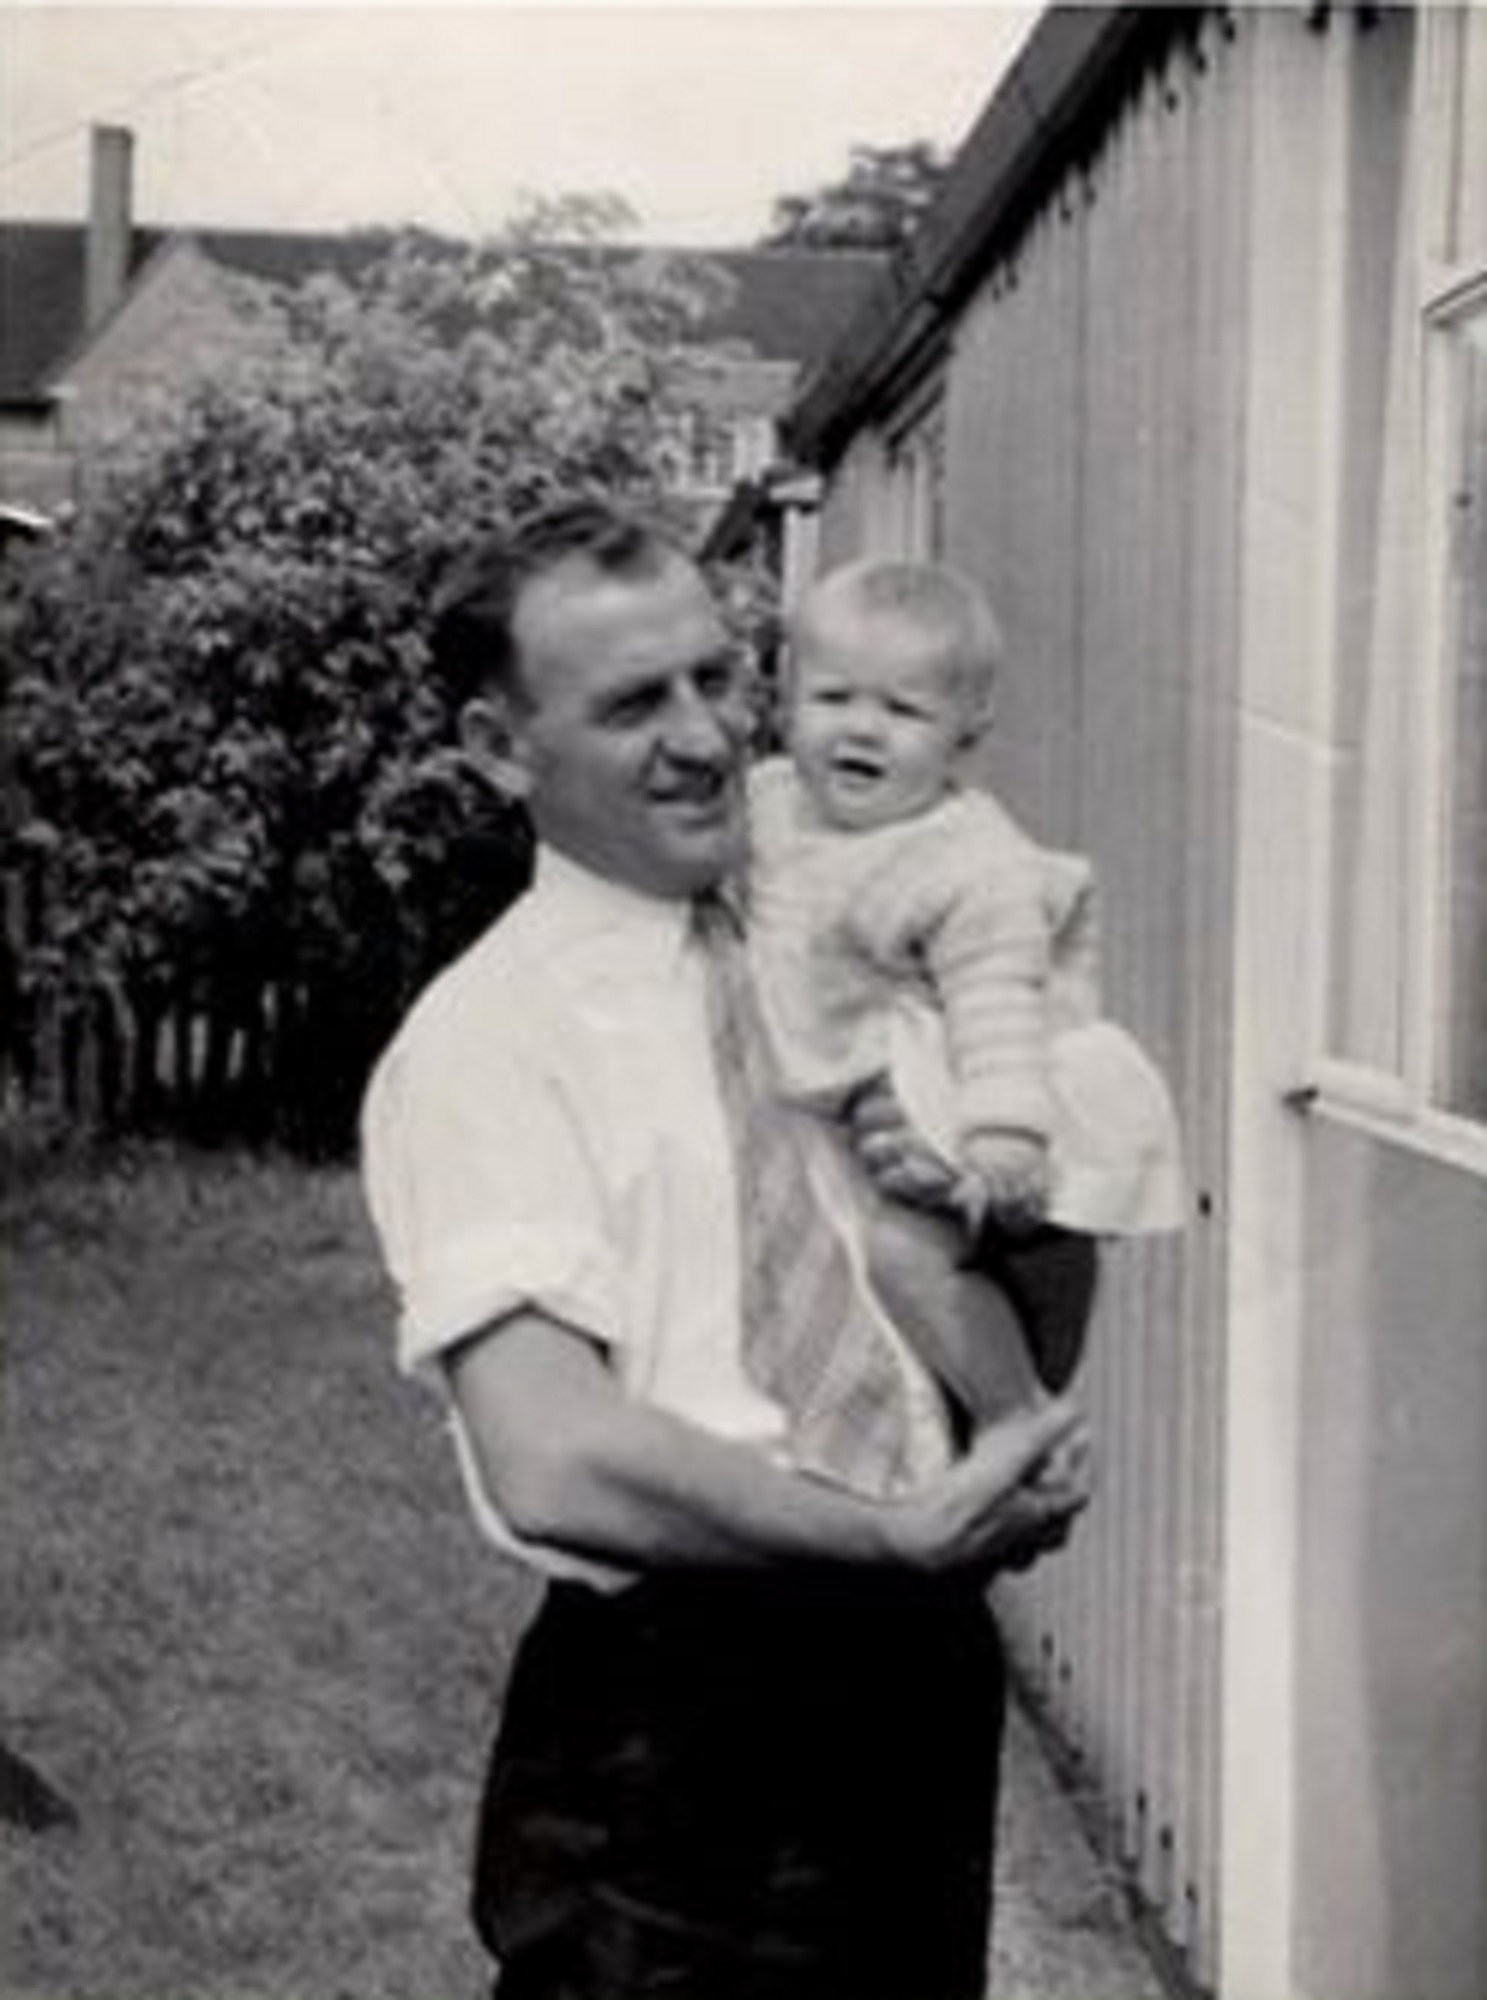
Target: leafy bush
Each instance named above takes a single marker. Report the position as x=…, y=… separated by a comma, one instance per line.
x=225, y=741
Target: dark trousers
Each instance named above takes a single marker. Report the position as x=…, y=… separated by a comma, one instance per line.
x=736, y=1788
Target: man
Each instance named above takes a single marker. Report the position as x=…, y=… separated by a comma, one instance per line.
x=749, y=1749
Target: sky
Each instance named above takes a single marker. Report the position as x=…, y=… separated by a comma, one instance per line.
x=306, y=117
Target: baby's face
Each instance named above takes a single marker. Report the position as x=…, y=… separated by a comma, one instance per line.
x=877, y=718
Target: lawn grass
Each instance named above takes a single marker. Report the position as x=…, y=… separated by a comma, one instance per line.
x=248, y=1632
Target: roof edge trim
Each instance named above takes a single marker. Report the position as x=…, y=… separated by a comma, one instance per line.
x=1024, y=136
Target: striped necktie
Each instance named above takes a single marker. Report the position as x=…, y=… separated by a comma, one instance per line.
x=810, y=1340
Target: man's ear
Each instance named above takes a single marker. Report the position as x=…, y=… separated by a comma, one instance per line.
x=494, y=745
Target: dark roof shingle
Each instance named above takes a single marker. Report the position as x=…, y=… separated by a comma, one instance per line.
x=41, y=299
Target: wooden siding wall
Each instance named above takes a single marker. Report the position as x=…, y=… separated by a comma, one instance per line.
x=1095, y=407
x=1096, y=399
x=1095, y=396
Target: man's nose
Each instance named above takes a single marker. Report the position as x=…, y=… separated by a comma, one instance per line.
x=695, y=730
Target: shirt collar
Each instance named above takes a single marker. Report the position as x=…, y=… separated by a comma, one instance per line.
x=599, y=906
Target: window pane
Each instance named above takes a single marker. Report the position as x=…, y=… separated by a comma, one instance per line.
x=1463, y=1085
x=1378, y=651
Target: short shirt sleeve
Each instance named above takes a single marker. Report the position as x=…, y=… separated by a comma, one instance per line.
x=483, y=1193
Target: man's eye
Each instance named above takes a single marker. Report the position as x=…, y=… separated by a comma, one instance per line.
x=828, y=697
x=718, y=682
x=632, y=710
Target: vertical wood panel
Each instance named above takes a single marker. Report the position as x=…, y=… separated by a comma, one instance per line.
x=1092, y=464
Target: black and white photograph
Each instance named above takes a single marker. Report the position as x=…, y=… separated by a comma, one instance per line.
x=743, y=1001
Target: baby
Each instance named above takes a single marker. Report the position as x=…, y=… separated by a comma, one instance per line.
x=904, y=926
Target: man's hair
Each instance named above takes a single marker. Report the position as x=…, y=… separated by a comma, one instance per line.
x=473, y=641
x=934, y=603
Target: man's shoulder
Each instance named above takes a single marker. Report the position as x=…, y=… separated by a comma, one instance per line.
x=492, y=989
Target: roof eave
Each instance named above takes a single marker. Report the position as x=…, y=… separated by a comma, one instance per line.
x=1026, y=134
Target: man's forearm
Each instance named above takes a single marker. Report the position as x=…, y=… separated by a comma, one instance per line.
x=574, y=1463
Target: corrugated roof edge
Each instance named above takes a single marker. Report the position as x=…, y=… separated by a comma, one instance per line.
x=1074, y=57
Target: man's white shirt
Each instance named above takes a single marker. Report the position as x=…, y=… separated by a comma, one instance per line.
x=546, y=1133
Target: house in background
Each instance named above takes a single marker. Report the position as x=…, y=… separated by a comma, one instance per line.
x=92, y=315
x=1189, y=369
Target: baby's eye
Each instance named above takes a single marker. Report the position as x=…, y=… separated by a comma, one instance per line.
x=911, y=709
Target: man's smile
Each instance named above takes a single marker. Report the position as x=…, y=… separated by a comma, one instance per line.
x=704, y=803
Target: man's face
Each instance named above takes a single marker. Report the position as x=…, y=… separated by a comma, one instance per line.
x=632, y=741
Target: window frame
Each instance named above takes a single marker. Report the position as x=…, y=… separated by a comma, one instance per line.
x=1403, y=1105
x=914, y=443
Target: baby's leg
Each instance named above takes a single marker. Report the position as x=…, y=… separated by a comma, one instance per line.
x=958, y=1320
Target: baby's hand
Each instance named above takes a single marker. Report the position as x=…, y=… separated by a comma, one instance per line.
x=898, y=1162
x=1007, y=1178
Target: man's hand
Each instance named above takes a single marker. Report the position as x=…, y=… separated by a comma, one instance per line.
x=1012, y=1498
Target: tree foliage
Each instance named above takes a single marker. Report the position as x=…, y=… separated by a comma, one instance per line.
x=876, y=205
x=224, y=738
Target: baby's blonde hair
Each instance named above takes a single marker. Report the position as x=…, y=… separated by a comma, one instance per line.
x=931, y=602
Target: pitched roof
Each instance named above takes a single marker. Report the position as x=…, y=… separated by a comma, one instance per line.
x=791, y=305
x=41, y=299
x=787, y=305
